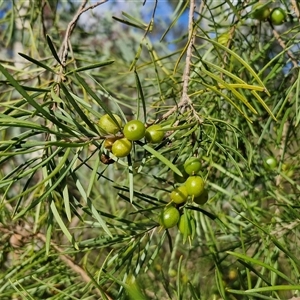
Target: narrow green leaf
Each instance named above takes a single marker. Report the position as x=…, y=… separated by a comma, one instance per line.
x=62, y=225
x=95, y=97
x=226, y=172
x=36, y=62
x=262, y=264
x=220, y=282
x=32, y=102
x=52, y=49
x=66, y=199
x=162, y=159
x=78, y=109
x=254, y=296
x=58, y=168
x=34, y=89
x=175, y=19
x=242, y=83
x=129, y=17
x=262, y=102
x=217, y=91
x=90, y=67
x=137, y=56
x=94, y=211
x=130, y=179
x=229, y=88
x=274, y=288
x=93, y=176
x=297, y=96
x=238, y=58
x=49, y=232
x=141, y=95
x=129, y=23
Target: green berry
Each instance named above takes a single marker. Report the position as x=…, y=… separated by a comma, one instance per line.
x=108, y=125
x=194, y=186
x=192, y=165
x=278, y=16
x=154, y=134
x=260, y=12
x=270, y=163
x=121, y=147
x=169, y=217
x=203, y=198
x=179, y=195
x=134, y=130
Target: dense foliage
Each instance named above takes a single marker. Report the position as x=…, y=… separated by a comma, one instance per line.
x=80, y=218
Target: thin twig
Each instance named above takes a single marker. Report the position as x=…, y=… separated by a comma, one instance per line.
x=24, y=233
x=286, y=125
x=185, y=99
x=65, y=46
x=186, y=75
x=283, y=46
x=69, y=262
x=295, y=8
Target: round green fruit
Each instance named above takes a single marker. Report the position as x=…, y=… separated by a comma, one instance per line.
x=203, y=198
x=181, y=179
x=192, y=165
x=270, y=163
x=278, y=16
x=260, y=12
x=179, y=195
x=121, y=147
x=134, y=130
x=108, y=125
x=194, y=186
x=154, y=134
x=170, y=217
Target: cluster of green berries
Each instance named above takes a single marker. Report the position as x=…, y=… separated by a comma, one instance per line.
x=134, y=130
x=192, y=189
x=262, y=12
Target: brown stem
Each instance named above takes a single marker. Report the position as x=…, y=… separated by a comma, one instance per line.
x=66, y=43
x=185, y=99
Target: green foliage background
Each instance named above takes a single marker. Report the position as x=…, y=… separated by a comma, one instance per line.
x=226, y=89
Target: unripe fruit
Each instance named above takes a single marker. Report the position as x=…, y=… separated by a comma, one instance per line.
x=203, y=198
x=260, y=12
x=179, y=195
x=172, y=273
x=278, y=16
x=181, y=179
x=233, y=274
x=192, y=165
x=121, y=147
x=270, y=163
x=154, y=134
x=169, y=217
x=194, y=186
x=134, y=130
x=108, y=125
